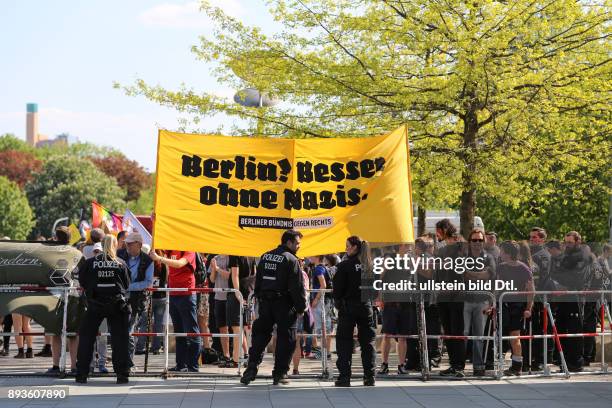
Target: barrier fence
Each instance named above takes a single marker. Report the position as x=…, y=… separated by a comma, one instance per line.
x=495, y=335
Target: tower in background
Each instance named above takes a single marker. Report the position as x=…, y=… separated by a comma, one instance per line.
x=32, y=124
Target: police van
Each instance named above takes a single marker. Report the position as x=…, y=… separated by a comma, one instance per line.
x=432, y=217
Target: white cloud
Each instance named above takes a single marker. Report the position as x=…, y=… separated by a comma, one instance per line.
x=186, y=15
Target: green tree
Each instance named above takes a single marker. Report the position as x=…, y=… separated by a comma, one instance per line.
x=579, y=201
x=79, y=149
x=494, y=89
x=8, y=141
x=17, y=219
x=65, y=186
x=143, y=205
x=129, y=174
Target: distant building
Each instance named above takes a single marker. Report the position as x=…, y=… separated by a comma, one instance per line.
x=34, y=138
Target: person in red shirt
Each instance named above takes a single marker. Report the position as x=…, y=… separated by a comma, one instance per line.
x=183, y=311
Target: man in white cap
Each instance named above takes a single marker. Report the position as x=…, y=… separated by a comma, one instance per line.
x=141, y=273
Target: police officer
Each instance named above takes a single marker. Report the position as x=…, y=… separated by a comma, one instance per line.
x=541, y=270
x=105, y=279
x=354, y=309
x=570, y=273
x=279, y=289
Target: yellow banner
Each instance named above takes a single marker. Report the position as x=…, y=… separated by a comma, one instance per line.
x=75, y=234
x=236, y=195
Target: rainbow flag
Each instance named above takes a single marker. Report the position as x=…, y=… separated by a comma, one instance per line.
x=102, y=217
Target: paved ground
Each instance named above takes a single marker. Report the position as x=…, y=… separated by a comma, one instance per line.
x=587, y=392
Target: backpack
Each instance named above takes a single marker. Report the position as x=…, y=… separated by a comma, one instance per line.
x=330, y=271
x=200, y=270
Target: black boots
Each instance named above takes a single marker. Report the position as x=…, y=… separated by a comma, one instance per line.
x=249, y=375
x=343, y=382
x=45, y=352
x=280, y=379
x=81, y=379
x=515, y=368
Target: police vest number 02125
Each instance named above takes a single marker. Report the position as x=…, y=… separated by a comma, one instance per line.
x=106, y=274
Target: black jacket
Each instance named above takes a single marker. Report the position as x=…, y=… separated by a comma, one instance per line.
x=104, y=278
x=542, y=260
x=349, y=279
x=572, y=269
x=278, y=274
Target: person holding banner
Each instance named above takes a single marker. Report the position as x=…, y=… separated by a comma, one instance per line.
x=279, y=289
x=183, y=312
x=354, y=309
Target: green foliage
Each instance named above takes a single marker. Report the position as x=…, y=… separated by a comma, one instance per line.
x=17, y=220
x=143, y=205
x=494, y=93
x=68, y=184
x=8, y=141
x=79, y=149
x=130, y=175
x=577, y=201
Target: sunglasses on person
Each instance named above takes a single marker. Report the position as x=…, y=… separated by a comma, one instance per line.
x=477, y=240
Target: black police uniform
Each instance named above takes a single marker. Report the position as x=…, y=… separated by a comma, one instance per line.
x=570, y=313
x=279, y=289
x=450, y=307
x=541, y=271
x=594, y=280
x=354, y=309
x=105, y=282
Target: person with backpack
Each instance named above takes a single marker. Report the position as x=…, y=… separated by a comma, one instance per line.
x=183, y=312
x=220, y=275
x=202, y=299
x=321, y=280
x=239, y=271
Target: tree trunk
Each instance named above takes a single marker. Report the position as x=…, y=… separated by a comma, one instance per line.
x=466, y=211
x=421, y=214
x=468, y=194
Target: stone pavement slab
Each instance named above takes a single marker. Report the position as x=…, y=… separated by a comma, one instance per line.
x=586, y=391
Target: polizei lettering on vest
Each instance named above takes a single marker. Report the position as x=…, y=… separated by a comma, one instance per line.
x=273, y=258
x=106, y=264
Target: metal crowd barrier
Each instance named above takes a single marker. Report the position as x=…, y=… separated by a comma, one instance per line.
x=496, y=334
x=64, y=291
x=166, y=334
x=326, y=370
x=548, y=315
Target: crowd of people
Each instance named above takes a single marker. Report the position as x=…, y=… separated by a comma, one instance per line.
x=291, y=300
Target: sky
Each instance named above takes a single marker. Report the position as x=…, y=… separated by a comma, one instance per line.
x=65, y=56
